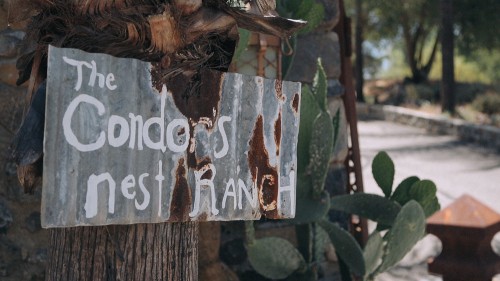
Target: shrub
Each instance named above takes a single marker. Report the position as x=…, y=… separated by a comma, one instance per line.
x=488, y=103
x=417, y=93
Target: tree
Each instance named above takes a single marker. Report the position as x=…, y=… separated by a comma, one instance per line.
x=359, y=51
x=414, y=23
x=447, y=50
x=473, y=22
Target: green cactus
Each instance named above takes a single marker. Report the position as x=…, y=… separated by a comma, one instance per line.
x=275, y=258
x=383, y=172
x=407, y=230
x=370, y=206
x=401, y=212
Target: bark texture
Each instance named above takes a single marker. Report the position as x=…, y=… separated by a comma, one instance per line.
x=447, y=47
x=164, y=251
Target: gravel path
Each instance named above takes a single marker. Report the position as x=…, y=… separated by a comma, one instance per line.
x=455, y=167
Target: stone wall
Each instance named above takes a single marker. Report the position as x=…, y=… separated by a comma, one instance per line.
x=486, y=136
x=23, y=243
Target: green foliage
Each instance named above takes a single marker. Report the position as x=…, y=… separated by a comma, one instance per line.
x=371, y=206
x=320, y=149
x=424, y=192
x=309, y=111
x=373, y=252
x=244, y=38
x=346, y=246
x=320, y=87
x=402, y=192
x=488, y=103
x=474, y=21
x=383, y=172
x=408, y=229
x=308, y=10
x=275, y=258
x=308, y=209
x=412, y=26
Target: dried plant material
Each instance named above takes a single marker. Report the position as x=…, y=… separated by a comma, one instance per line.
x=262, y=7
x=187, y=7
x=180, y=37
x=165, y=35
x=277, y=26
x=208, y=20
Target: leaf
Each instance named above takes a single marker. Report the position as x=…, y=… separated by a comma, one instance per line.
x=346, y=247
x=424, y=192
x=430, y=207
x=383, y=172
x=309, y=275
x=311, y=210
x=407, y=230
x=371, y=206
x=320, y=87
x=249, y=232
x=274, y=258
x=320, y=150
x=321, y=239
x=242, y=43
x=314, y=17
x=309, y=111
x=302, y=9
x=373, y=252
x=402, y=192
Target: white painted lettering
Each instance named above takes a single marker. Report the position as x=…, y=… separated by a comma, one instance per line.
x=160, y=178
x=91, y=199
x=68, y=132
x=225, y=145
x=136, y=125
x=160, y=121
x=123, y=134
x=145, y=192
x=232, y=193
x=291, y=189
x=170, y=135
x=251, y=196
x=127, y=183
x=110, y=78
x=94, y=74
x=198, y=174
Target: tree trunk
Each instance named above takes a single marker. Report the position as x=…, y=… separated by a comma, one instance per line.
x=163, y=251
x=359, y=52
x=447, y=46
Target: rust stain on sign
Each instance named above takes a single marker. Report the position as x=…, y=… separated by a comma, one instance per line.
x=278, y=86
x=179, y=210
x=121, y=148
x=277, y=133
x=295, y=103
x=202, y=107
x=264, y=175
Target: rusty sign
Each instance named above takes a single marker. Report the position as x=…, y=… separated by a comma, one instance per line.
x=121, y=149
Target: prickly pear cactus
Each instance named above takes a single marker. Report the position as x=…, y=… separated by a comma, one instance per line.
x=401, y=211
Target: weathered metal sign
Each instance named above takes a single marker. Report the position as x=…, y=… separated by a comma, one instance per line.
x=121, y=149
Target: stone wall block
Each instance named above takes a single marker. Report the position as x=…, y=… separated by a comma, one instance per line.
x=309, y=48
x=332, y=14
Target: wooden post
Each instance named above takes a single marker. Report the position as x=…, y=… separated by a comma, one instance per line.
x=164, y=251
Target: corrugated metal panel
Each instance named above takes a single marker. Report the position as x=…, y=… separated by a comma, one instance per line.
x=122, y=151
